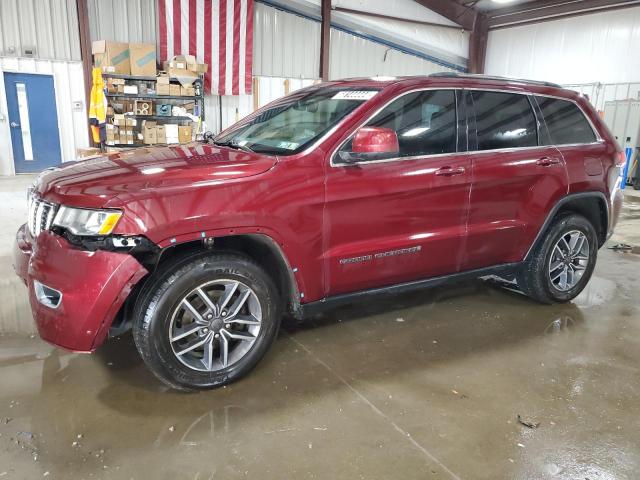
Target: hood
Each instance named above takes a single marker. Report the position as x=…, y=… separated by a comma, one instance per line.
x=98, y=181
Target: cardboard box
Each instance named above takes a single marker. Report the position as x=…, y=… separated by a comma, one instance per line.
x=130, y=122
x=186, y=77
x=122, y=136
x=162, y=79
x=163, y=89
x=175, y=90
x=149, y=134
x=187, y=91
x=130, y=89
x=143, y=59
x=129, y=137
x=119, y=119
x=83, y=153
x=202, y=68
x=163, y=110
x=171, y=133
x=143, y=107
x=184, y=134
x=161, y=134
x=111, y=57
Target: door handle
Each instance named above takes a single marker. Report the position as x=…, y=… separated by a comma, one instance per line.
x=450, y=171
x=547, y=161
x=14, y=124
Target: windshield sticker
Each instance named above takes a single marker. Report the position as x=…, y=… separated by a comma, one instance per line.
x=288, y=145
x=354, y=95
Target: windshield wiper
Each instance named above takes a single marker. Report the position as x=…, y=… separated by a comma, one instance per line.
x=234, y=144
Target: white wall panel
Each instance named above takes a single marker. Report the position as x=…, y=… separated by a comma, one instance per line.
x=123, y=20
x=69, y=88
x=353, y=56
x=600, y=47
x=48, y=26
x=284, y=44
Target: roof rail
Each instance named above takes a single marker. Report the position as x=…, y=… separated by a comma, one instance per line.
x=492, y=77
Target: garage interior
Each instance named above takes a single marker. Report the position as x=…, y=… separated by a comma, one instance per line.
x=471, y=381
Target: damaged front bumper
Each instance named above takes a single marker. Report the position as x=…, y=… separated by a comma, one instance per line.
x=74, y=294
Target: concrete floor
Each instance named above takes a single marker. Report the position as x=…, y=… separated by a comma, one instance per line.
x=427, y=385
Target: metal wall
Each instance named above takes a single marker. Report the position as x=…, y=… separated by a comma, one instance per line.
x=284, y=44
x=70, y=104
x=599, y=47
x=50, y=27
x=123, y=20
x=354, y=56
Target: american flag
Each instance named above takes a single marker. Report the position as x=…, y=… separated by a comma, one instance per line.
x=218, y=33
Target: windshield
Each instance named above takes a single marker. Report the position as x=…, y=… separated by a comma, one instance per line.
x=292, y=125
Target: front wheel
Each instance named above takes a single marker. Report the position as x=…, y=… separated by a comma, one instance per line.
x=206, y=320
x=561, y=266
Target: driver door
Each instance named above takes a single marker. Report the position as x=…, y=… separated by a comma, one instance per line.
x=402, y=218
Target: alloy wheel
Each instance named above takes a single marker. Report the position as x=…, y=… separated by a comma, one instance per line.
x=215, y=325
x=569, y=260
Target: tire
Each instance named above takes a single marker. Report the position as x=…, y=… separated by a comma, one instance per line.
x=535, y=278
x=161, y=317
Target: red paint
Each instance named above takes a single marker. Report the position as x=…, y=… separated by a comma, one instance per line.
x=452, y=212
x=91, y=284
x=375, y=140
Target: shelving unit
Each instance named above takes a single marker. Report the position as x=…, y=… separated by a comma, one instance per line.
x=174, y=100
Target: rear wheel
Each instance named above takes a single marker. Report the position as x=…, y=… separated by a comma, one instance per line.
x=560, y=266
x=206, y=320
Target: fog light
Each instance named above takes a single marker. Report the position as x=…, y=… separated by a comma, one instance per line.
x=47, y=296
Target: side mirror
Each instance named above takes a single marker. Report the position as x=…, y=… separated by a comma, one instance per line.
x=372, y=143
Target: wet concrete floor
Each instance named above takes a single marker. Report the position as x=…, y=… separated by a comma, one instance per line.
x=426, y=385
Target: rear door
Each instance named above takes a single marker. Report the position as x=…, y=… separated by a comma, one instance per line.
x=516, y=178
x=571, y=133
x=403, y=218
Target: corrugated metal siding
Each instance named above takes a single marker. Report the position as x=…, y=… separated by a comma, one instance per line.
x=284, y=44
x=69, y=88
x=353, y=56
x=49, y=26
x=599, y=47
x=123, y=20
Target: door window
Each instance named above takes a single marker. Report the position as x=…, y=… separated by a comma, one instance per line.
x=425, y=122
x=565, y=121
x=504, y=120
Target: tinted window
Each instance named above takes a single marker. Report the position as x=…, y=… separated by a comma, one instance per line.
x=504, y=120
x=565, y=122
x=424, y=121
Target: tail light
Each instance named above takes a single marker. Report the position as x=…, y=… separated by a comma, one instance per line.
x=621, y=159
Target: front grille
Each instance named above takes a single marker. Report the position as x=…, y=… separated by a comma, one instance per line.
x=41, y=215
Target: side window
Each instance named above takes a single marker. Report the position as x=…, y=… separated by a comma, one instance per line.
x=425, y=122
x=565, y=122
x=504, y=120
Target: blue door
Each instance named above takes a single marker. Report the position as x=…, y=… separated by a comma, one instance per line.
x=33, y=120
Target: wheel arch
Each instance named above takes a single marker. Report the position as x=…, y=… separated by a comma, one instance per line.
x=259, y=247
x=591, y=205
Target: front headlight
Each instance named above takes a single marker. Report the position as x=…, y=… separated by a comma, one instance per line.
x=81, y=221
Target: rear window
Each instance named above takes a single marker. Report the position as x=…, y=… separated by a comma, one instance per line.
x=565, y=121
x=504, y=120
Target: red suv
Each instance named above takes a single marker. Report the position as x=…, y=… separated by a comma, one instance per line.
x=328, y=195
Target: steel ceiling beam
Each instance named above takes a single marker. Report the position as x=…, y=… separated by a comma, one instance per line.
x=546, y=10
x=325, y=37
